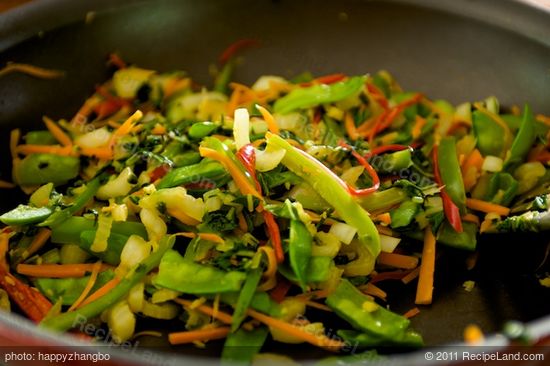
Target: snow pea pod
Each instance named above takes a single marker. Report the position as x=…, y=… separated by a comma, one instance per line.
x=451, y=173
x=524, y=139
x=364, y=314
x=392, y=162
x=241, y=347
x=26, y=215
x=502, y=189
x=74, y=318
x=303, y=98
x=199, y=130
x=489, y=135
x=409, y=338
x=245, y=297
x=115, y=244
x=38, y=169
x=318, y=270
x=180, y=274
x=206, y=170
x=40, y=137
x=404, y=214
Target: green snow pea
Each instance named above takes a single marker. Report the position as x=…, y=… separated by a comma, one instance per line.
x=383, y=200
x=303, y=98
x=69, y=289
x=115, y=244
x=318, y=270
x=178, y=274
x=349, y=303
x=466, y=240
x=75, y=318
x=299, y=245
x=392, y=162
x=241, y=347
x=26, y=215
x=206, y=170
x=38, y=169
x=451, y=173
x=245, y=297
x=260, y=302
x=408, y=338
x=524, y=139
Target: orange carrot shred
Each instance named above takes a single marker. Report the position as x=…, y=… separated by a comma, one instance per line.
x=398, y=260
x=57, y=132
x=57, y=270
x=200, y=335
x=105, y=289
x=487, y=207
x=424, y=290
x=89, y=285
x=412, y=312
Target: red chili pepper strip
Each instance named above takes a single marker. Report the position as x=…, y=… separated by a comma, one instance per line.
x=452, y=213
x=116, y=61
x=29, y=300
x=390, y=115
x=279, y=292
x=247, y=156
x=370, y=170
x=236, y=47
x=159, y=172
x=378, y=95
x=385, y=148
x=327, y=79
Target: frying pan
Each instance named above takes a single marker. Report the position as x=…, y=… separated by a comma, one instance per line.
x=459, y=50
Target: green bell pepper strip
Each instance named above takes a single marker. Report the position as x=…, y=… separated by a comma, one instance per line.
x=205, y=170
x=450, y=172
x=241, y=347
x=183, y=275
x=69, y=289
x=40, y=137
x=446, y=235
x=489, y=135
x=332, y=189
x=315, y=95
x=299, y=246
x=59, y=217
x=408, y=338
x=72, y=319
x=38, y=169
x=502, y=189
x=404, y=214
x=26, y=215
x=71, y=229
x=318, y=270
x=245, y=297
x=525, y=138
x=348, y=303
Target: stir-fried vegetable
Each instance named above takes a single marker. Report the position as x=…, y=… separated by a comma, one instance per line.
x=234, y=212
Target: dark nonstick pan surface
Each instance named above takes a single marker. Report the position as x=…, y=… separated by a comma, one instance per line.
x=457, y=50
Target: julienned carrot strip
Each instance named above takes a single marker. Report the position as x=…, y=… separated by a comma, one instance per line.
x=126, y=127
x=373, y=290
x=316, y=305
x=208, y=310
x=200, y=335
x=101, y=291
x=57, y=132
x=240, y=179
x=102, y=153
x=471, y=218
x=412, y=312
x=26, y=149
x=269, y=119
x=350, y=127
x=411, y=276
x=419, y=123
x=378, y=96
x=38, y=241
x=425, y=287
x=389, y=275
x=31, y=70
x=316, y=340
x=15, y=135
x=89, y=285
x=6, y=185
x=57, y=270
x=4, y=246
x=397, y=260
x=474, y=159
x=487, y=207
